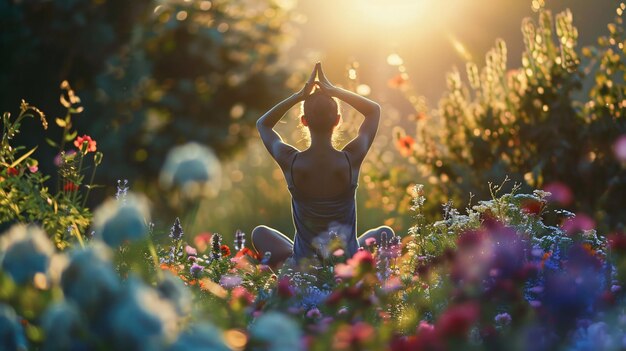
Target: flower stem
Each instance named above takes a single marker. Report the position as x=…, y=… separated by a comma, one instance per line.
x=93, y=174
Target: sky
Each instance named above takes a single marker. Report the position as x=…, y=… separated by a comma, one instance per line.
x=422, y=32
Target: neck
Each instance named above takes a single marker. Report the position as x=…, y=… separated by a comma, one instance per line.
x=321, y=140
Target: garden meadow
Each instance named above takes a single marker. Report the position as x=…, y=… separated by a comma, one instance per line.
x=508, y=197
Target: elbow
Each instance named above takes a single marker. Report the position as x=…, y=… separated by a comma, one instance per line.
x=259, y=124
x=376, y=110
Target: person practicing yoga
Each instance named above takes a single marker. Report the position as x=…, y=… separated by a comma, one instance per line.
x=321, y=179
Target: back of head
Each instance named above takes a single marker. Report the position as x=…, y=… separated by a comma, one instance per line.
x=320, y=112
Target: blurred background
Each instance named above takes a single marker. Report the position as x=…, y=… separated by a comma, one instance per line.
x=155, y=74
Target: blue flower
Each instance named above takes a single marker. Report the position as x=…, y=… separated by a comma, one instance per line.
x=65, y=327
x=89, y=280
x=24, y=252
x=198, y=338
x=141, y=319
x=116, y=222
x=11, y=333
x=173, y=289
x=193, y=168
x=275, y=331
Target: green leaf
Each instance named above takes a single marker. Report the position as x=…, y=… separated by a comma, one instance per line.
x=71, y=136
x=51, y=142
x=25, y=156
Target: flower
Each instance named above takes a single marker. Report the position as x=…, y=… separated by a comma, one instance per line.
x=190, y=251
x=12, y=171
x=241, y=296
x=559, y=193
x=503, y=319
x=405, y=144
x=247, y=252
x=70, y=187
x=352, y=337
x=581, y=222
x=172, y=289
x=85, y=144
x=457, y=320
x=140, y=319
x=198, y=338
x=284, y=287
x=11, y=331
x=620, y=148
x=230, y=281
x=398, y=81
x=267, y=327
x=196, y=269
x=116, y=222
x=193, y=168
x=202, y=240
x=64, y=321
x=89, y=280
x=225, y=250
x=24, y=252
x=176, y=232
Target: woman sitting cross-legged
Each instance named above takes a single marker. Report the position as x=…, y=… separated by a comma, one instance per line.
x=321, y=179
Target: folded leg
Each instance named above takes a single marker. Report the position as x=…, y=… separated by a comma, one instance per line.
x=376, y=233
x=266, y=239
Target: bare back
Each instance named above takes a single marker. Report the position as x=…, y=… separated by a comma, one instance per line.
x=321, y=174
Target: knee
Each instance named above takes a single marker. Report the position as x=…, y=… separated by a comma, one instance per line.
x=387, y=229
x=257, y=232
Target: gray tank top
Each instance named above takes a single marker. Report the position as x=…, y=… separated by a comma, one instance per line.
x=317, y=220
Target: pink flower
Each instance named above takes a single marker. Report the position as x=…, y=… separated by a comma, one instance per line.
x=560, y=193
x=581, y=222
x=457, y=320
x=91, y=144
x=33, y=169
x=314, y=313
x=620, y=148
x=370, y=241
x=190, y=251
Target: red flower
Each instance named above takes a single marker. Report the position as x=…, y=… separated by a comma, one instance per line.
x=532, y=207
x=225, y=250
x=11, y=171
x=241, y=295
x=399, y=81
x=91, y=144
x=202, y=240
x=351, y=337
x=457, y=320
x=617, y=242
x=69, y=187
x=247, y=252
x=284, y=287
x=405, y=145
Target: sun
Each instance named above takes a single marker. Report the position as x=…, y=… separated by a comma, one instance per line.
x=391, y=13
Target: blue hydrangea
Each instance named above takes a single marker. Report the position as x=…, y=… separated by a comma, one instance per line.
x=116, y=222
x=11, y=332
x=24, y=252
x=63, y=322
x=89, y=280
x=200, y=337
x=193, y=168
x=277, y=332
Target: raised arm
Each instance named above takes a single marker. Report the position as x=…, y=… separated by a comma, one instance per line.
x=359, y=146
x=279, y=150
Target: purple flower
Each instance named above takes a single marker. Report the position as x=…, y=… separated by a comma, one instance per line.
x=196, y=269
x=503, y=319
x=176, y=233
